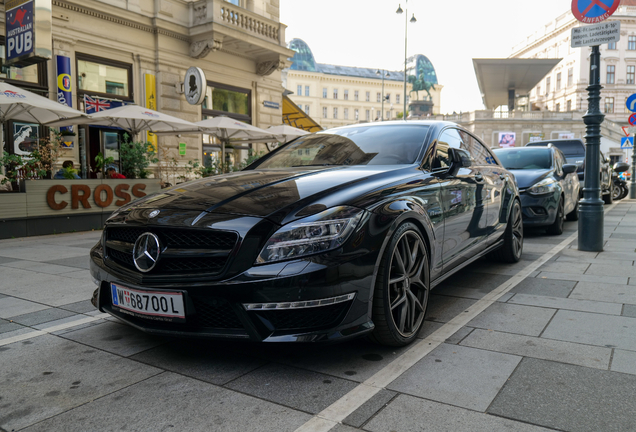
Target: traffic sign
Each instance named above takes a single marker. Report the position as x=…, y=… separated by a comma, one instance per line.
x=627, y=142
x=594, y=11
x=595, y=34
x=631, y=103
x=632, y=119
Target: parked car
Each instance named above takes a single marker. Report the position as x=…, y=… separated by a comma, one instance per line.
x=574, y=151
x=548, y=186
x=331, y=236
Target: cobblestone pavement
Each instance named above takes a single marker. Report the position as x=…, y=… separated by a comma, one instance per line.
x=548, y=343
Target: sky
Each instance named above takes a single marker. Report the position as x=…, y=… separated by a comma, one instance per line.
x=368, y=33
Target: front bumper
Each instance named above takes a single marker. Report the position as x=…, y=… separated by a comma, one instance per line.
x=216, y=309
x=539, y=210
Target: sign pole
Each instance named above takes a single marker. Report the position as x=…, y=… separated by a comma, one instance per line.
x=632, y=189
x=591, y=206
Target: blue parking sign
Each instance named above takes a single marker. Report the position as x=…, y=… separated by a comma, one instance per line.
x=627, y=142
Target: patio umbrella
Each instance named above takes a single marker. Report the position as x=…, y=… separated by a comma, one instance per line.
x=132, y=118
x=286, y=133
x=227, y=129
x=22, y=105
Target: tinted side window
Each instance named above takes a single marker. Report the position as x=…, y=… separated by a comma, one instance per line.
x=448, y=138
x=477, y=150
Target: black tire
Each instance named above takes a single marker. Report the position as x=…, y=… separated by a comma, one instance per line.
x=617, y=190
x=557, y=226
x=625, y=191
x=511, y=250
x=401, y=288
x=574, y=214
x=607, y=198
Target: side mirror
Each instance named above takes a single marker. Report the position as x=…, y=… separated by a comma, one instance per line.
x=459, y=157
x=569, y=168
x=620, y=167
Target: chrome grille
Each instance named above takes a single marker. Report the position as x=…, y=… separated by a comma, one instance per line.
x=184, y=251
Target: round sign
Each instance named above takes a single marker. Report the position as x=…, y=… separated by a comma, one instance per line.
x=594, y=11
x=630, y=103
x=632, y=119
x=195, y=86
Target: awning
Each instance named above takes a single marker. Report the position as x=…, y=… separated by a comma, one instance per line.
x=499, y=79
x=296, y=117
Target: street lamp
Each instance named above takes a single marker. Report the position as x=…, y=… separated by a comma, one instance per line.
x=406, y=16
x=383, y=74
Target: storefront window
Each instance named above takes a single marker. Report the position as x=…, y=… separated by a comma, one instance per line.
x=103, y=76
x=30, y=74
x=227, y=101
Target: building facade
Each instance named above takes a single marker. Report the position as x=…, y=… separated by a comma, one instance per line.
x=138, y=51
x=340, y=95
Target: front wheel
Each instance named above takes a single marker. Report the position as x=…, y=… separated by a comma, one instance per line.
x=624, y=191
x=512, y=248
x=557, y=226
x=617, y=190
x=401, y=289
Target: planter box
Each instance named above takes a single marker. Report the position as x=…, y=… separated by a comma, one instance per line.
x=55, y=206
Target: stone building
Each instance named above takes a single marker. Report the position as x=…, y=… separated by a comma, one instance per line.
x=340, y=95
x=131, y=51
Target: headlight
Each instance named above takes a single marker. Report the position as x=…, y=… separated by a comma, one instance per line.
x=321, y=232
x=545, y=186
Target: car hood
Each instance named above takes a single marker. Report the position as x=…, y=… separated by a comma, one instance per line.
x=270, y=193
x=526, y=178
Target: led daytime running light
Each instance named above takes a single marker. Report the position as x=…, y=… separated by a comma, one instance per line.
x=298, y=305
x=344, y=223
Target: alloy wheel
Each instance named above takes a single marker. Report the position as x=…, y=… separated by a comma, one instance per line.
x=517, y=230
x=408, y=293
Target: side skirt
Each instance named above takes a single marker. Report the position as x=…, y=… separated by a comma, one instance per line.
x=440, y=279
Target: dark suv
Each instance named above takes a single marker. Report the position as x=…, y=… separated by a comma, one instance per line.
x=574, y=151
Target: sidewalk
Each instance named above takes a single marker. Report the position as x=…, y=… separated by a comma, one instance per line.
x=553, y=349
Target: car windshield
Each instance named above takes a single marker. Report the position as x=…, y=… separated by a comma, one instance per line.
x=525, y=158
x=568, y=148
x=364, y=145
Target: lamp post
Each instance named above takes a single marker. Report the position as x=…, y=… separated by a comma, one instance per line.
x=383, y=74
x=406, y=27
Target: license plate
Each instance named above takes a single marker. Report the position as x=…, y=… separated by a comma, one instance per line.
x=157, y=305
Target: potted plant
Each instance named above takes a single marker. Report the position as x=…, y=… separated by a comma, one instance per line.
x=101, y=162
x=136, y=157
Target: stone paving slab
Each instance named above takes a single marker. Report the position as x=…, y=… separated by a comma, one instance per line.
x=77, y=262
x=528, y=346
x=165, y=403
x=470, y=293
x=53, y=290
x=115, y=338
x=457, y=375
x=629, y=310
x=7, y=260
x=623, y=294
x=8, y=326
x=582, y=278
x=611, y=270
x=600, y=260
x=593, y=329
x=82, y=306
x=560, y=267
x=472, y=279
x=212, y=362
x=54, y=375
x=624, y=361
x=43, y=252
x=369, y=408
x=40, y=267
x=409, y=414
x=568, y=304
x=43, y=316
x=568, y=397
x=11, y=307
x=547, y=287
x=356, y=360
x=525, y=320
x=299, y=389
x=443, y=308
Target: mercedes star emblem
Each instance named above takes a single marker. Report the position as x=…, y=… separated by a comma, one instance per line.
x=146, y=252
x=153, y=214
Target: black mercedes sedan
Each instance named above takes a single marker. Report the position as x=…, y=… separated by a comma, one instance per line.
x=548, y=186
x=334, y=235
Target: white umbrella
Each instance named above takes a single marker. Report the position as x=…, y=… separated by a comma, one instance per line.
x=286, y=133
x=21, y=105
x=134, y=119
x=227, y=129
